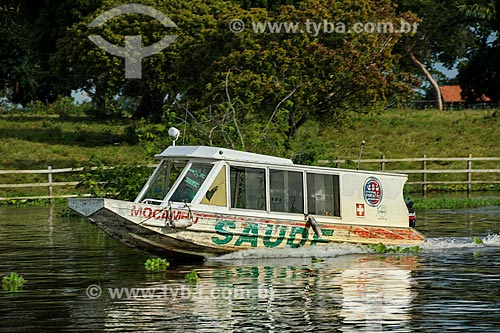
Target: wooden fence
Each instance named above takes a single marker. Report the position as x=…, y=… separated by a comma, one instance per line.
x=49, y=184
x=425, y=166
x=421, y=168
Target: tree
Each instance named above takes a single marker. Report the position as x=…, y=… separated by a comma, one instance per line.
x=270, y=84
x=245, y=90
x=444, y=35
x=29, y=33
x=101, y=74
x=273, y=5
x=17, y=75
x=479, y=75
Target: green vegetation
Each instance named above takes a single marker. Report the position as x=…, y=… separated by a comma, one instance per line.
x=400, y=133
x=192, y=277
x=121, y=182
x=156, y=265
x=13, y=282
x=477, y=241
x=381, y=248
x=453, y=203
x=130, y=145
x=395, y=133
x=37, y=141
x=307, y=96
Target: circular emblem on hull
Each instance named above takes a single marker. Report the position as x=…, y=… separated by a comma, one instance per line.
x=372, y=192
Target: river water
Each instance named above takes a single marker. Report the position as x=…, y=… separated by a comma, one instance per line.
x=80, y=280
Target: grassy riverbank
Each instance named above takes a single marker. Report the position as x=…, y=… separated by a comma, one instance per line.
x=29, y=141
x=414, y=133
x=32, y=141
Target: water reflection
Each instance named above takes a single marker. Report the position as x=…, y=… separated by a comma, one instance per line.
x=347, y=294
x=377, y=294
x=452, y=285
x=470, y=222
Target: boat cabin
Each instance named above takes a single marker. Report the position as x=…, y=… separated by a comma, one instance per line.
x=232, y=182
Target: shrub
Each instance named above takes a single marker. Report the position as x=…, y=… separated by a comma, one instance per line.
x=121, y=182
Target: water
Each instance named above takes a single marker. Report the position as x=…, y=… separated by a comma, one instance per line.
x=78, y=280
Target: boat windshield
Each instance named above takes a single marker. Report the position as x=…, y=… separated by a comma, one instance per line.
x=161, y=181
x=191, y=182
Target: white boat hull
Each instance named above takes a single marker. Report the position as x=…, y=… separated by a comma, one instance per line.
x=152, y=229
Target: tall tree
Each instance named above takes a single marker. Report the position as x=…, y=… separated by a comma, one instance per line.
x=444, y=35
x=29, y=33
x=479, y=74
x=165, y=75
x=274, y=82
x=17, y=74
x=251, y=89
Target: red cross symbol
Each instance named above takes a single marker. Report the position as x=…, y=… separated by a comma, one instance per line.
x=360, y=209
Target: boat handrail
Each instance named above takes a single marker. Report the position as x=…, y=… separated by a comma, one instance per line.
x=152, y=201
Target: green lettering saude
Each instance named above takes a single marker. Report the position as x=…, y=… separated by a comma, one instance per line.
x=325, y=232
x=295, y=231
x=221, y=229
x=269, y=232
x=250, y=235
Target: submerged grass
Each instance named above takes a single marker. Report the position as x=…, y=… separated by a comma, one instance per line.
x=453, y=203
x=13, y=282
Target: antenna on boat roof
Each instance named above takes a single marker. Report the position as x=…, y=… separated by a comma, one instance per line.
x=174, y=134
x=360, y=153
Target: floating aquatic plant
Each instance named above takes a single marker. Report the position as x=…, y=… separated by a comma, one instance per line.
x=13, y=282
x=477, y=240
x=192, y=278
x=156, y=265
x=381, y=248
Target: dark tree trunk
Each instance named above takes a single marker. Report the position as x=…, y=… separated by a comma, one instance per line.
x=150, y=107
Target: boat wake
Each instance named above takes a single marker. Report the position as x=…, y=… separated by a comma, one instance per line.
x=328, y=251
x=444, y=243
x=492, y=240
x=431, y=245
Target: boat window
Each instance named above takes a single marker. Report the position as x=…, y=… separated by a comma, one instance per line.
x=287, y=194
x=248, y=188
x=191, y=183
x=323, y=194
x=216, y=194
x=163, y=179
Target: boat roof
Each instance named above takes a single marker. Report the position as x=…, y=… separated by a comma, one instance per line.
x=216, y=153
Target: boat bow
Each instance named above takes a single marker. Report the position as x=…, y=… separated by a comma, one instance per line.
x=86, y=206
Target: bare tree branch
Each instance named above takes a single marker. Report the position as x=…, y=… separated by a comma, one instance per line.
x=278, y=106
x=234, y=111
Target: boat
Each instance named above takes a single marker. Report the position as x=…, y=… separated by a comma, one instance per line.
x=208, y=201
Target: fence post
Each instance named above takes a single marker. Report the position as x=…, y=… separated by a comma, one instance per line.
x=424, y=176
x=337, y=162
x=49, y=175
x=469, y=176
x=382, y=163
